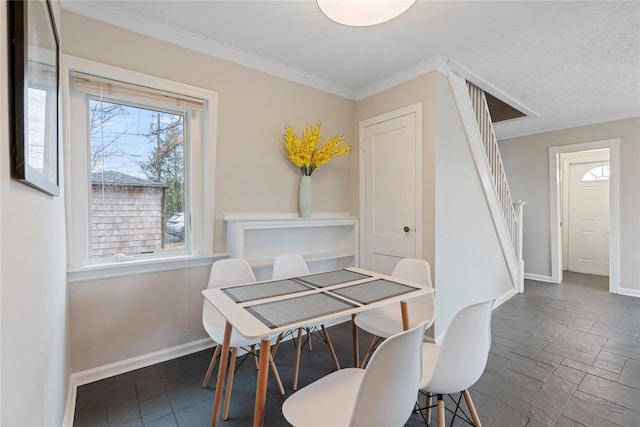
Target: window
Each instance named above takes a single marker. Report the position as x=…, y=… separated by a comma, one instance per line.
x=599, y=173
x=137, y=178
x=140, y=166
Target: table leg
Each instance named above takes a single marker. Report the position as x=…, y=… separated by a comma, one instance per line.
x=296, y=366
x=356, y=347
x=405, y=315
x=261, y=387
x=222, y=371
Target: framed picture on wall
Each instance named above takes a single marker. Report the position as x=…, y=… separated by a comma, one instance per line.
x=33, y=73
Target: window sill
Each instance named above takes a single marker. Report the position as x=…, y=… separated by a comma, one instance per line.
x=140, y=266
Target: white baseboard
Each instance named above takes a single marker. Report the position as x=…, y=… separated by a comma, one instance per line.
x=101, y=372
x=504, y=298
x=77, y=379
x=117, y=368
x=629, y=292
x=538, y=277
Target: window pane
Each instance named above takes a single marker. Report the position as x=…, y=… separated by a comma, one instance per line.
x=599, y=173
x=37, y=126
x=137, y=179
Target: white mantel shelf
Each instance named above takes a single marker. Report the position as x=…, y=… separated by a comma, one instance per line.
x=327, y=240
x=280, y=216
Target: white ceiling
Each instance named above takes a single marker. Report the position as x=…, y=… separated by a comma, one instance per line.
x=567, y=63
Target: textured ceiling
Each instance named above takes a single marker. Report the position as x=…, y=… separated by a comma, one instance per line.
x=566, y=63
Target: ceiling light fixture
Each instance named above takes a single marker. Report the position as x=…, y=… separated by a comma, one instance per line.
x=363, y=13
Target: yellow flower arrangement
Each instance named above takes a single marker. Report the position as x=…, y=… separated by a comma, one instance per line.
x=304, y=153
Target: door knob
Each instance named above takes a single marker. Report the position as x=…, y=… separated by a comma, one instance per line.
x=406, y=229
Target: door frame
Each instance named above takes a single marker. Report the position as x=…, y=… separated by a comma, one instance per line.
x=410, y=109
x=555, y=191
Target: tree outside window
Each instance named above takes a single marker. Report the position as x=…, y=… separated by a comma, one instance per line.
x=137, y=179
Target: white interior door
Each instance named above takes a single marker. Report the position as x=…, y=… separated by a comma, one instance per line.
x=390, y=159
x=589, y=233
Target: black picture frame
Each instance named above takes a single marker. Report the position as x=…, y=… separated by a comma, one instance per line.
x=34, y=58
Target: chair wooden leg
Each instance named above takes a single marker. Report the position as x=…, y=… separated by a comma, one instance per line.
x=309, y=339
x=255, y=355
x=330, y=345
x=222, y=372
x=296, y=363
x=275, y=373
x=227, y=397
x=428, y=409
x=365, y=357
x=276, y=346
x=440, y=411
x=207, y=376
x=354, y=337
x=472, y=408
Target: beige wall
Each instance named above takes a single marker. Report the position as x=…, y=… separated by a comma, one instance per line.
x=253, y=174
x=34, y=368
x=526, y=161
x=114, y=320
x=253, y=171
x=456, y=226
x=419, y=90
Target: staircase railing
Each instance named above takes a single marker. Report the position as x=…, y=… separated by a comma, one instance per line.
x=507, y=216
x=490, y=142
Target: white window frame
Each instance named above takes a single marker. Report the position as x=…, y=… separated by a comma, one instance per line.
x=201, y=166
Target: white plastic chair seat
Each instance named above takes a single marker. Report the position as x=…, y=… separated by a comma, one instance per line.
x=226, y=272
x=386, y=321
x=382, y=321
x=457, y=362
x=383, y=394
x=331, y=400
x=215, y=325
x=430, y=354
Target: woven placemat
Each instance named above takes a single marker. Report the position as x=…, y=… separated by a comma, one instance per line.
x=330, y=278
x=265, y=290
x=375, y=290
x=298, y=309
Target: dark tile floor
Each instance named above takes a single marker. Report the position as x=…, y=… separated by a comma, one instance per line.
x=562, y=355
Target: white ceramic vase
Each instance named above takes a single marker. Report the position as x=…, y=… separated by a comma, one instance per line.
x=305, y=196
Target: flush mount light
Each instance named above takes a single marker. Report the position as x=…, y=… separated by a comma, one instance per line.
x=362, y=13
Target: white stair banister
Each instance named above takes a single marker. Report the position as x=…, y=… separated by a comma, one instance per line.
x=483, y=145
x=518, y=207
x=490, y=142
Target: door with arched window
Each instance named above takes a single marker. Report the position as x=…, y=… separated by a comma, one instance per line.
x=589, y=231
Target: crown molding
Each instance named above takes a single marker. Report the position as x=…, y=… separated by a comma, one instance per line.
x=525, y=126
x=435, y=63
x=111, y=15
x=489, y=88
x=508, y=130
x=114, y=16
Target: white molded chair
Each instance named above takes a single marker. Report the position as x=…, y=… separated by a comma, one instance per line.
x=226, y=272
x=383, y=394
x=293, y=265
x=458, y=361
x=387, y=320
